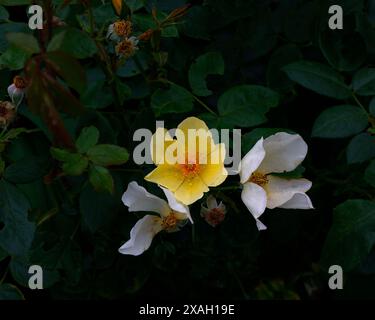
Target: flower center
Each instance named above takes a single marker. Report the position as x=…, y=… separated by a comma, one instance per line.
x=126, y=48
x=169, y=222
x=190, y=169
x=123, y=28
x=19, y=82
x=259, y=178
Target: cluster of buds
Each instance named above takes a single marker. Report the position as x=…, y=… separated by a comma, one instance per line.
x=120, y=32
x=7, y=113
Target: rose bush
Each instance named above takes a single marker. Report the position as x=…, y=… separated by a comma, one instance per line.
x=74, y=201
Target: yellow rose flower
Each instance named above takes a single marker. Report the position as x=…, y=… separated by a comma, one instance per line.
x=189, y=164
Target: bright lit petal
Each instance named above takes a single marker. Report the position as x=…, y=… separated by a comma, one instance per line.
x=280, y=190
x=141, y=235
x=192, y=123
x=298, y=201
x=160, y=142
x=251, y=161
x=168, y=176
x=255, y=199
x=284, y=152
x=213, y=174
x=138, y=199
x=176, y=205
x=191, y=190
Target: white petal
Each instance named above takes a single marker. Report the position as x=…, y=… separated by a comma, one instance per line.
x=141, y=235
x=298, y=201
x=138, y=199
x=176, y=205
x=251, y=161
x=11, y=90
x=211, y=202
x=255, y=199
x=260, y=225
x=280, y=190
x=284, y=152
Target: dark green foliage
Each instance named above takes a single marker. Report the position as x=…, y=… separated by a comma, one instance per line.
x=259, y=66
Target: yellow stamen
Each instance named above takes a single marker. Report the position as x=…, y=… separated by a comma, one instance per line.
x=259, y=178
x=169, y=222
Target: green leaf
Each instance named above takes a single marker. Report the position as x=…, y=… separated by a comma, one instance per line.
x=340, y=122
x=97, y=95
x=24, y=41
x=361, y=148
x=18, y=233
x=88, y=138
x=3, y=254
x=364, y=82
x=10, y=292
x=352, y=235
x=123, y=90
x=6, y=28
x=68, y=69
x=207, y=64
x=372, y=107
x=4, y=15
x=370, y=174
x=345, y=51
x=276, y=78
x=26, y=170
x=76, y=165
x=62, y=155
x=108, y=155
x=97, y=208
x=246, y=105
x=176, y=99
x=15, y=2
x=145, y=21
x=101, y=179
x=14, y=58
x=74, y=42
x=319, y=78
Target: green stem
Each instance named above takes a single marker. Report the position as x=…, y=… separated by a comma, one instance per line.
x=203, y=105
x=359, y=103
x=195, y=97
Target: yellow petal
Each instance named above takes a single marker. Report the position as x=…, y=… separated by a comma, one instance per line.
x=213, y=175
x=191, y=190
x=168, y=176
x=192, y=123
x=160, y=142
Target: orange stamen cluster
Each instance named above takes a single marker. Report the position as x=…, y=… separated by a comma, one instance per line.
x=123, y=28
x=19, y=82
